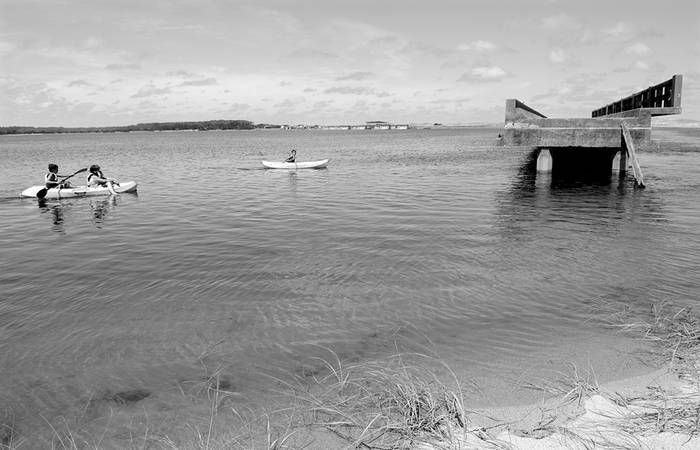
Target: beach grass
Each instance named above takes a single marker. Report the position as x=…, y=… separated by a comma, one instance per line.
x=415, y=401
x=394, y=403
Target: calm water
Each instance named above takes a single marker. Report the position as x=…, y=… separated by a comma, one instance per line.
x=430, y=240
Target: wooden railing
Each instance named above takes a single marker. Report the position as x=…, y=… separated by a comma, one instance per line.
x=662, y=99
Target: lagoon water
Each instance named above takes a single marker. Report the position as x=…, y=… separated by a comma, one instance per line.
x=113, y=310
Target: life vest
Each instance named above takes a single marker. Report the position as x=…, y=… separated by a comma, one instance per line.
x=51, y=180
x=94, y=183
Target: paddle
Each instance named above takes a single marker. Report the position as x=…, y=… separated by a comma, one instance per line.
x=42, y=192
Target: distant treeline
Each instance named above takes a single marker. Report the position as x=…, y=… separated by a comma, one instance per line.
x=162, y=126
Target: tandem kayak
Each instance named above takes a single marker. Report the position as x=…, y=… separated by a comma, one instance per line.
x=296, y=165
x=79, y=191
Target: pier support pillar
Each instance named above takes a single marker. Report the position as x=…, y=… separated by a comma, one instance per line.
x=619, y=162
x=544, y=161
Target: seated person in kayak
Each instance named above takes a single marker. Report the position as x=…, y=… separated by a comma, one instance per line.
x=96, y=178
x=51, y=178
x=292, y=156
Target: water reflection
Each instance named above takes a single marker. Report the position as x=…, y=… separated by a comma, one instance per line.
x=583, y=200
x=101, y=208
x=293, y=181
x=55, y=213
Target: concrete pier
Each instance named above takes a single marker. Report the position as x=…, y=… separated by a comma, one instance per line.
x=595, y=142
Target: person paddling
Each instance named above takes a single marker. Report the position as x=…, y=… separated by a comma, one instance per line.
x=96, y=178
x=292, y=157
x=51, y=178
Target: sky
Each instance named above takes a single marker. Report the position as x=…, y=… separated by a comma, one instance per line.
x=107, y=63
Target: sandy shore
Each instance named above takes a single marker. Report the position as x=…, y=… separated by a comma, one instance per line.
x=379, y=407
x=660, y=410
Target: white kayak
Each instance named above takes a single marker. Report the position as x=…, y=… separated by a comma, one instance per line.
x=79, y=191
x=296, y=165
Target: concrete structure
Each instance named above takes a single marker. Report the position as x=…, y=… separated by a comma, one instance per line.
x=613, y=134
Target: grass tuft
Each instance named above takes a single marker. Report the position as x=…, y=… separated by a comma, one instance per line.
x=387, y=404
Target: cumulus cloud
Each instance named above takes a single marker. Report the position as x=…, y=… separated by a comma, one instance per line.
x=289, y=103
x=181, y=73
x=558, y=56
x=78, y=83
x=618, y=30
x=92, y=42
x=641, y=65
x=348, y=90
x=239, y=106
x=560, y=22
x=151, y=90
x=313, y=54
x=637, y=48
x=6, y=47
x=355, y=76
x=484, y=74
x=479, y=46
x=323, y=104
x=203, y=82
x=123, y=66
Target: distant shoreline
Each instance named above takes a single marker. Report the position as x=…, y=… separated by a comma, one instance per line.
x=168, y=128
x=155, y=126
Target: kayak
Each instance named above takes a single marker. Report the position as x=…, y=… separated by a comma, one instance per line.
x=79, y=191
x=296, y=165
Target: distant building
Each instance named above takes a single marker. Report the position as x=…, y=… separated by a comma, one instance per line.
x=372, y=125
x=378, y=125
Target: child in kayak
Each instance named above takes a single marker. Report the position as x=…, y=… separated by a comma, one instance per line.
x=51, y=178
x=292, y=156
x=96, y=178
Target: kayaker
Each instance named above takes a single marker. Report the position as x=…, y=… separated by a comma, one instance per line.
x=51, y=178
x=96, y=178
x=292, y=156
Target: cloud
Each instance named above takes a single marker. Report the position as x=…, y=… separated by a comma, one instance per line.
x=423, y=49
x=560, y=22
x=123, y=66
x=76, y=83
x=348, y=90
x=289, y=103
x=483, y=74
x=355, y=76
x=181, y=73
x=313, y=54
x=151, y=90
x=637, y=48
x=479, y=46
x=641, y=65
x=620, y=29
x=558, y=56
x=322, y=104
x=203, y=82
x=239, y=106
x=6, y=47
x=92, y=42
